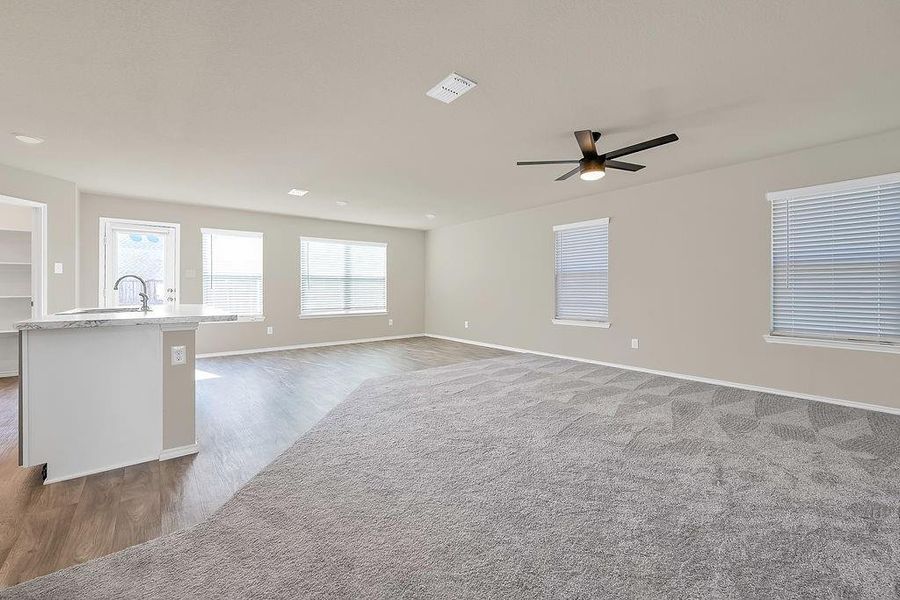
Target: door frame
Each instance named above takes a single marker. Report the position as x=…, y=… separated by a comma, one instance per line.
x=38, y=252
x=106, y=222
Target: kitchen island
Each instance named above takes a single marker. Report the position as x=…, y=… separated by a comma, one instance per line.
x=106, y=388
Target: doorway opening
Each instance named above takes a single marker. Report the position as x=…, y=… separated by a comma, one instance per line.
x=23, y=279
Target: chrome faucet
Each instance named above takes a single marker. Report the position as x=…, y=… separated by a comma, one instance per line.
x=144, y=297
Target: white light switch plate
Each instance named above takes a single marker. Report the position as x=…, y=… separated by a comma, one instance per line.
x=270, y=330
x=466, y=324
x=57, y=268
x=390, y=322
x=179, y=355
x=634, y=343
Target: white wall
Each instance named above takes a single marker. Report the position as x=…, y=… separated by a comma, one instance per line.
x=689, y=277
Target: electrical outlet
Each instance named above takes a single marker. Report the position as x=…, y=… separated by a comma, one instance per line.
x=179, y=355
x=390, y=322
x=634, y=343
x=270, y=330
x=466, y=324
x=57, y=268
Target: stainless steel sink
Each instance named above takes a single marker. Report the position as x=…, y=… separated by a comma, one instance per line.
x=92, y=311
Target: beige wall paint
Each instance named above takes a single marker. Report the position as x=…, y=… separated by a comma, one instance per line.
x=61, y=198
x=281, y=278
x=179, y=398
x=689, y=277
x=17, y=218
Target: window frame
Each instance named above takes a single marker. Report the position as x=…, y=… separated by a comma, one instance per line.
x=238, y=233
x=108, y=224
x=339, y=314
x=580, y=322
x=795, y=339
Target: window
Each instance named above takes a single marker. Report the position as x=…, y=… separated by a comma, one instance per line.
x=582, y=273
x=144, y=248
x=233, y=271
x=836, y=261
x=342, y=278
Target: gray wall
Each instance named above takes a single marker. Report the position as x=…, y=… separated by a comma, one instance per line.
x=281, y=277
x=689, y=277
x=17, y=218
x=179, y=427
x=61, y=198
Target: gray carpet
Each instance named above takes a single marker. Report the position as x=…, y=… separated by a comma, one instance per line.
x=529, y=477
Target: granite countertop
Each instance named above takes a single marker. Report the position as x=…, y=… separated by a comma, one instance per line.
x=159, y=315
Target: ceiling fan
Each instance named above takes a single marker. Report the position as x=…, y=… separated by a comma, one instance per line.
x=593, y=166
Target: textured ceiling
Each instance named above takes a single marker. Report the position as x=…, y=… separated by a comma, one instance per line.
x=234, y=103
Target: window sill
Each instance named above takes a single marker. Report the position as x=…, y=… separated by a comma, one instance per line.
x=603, y=324
x=838, y=344
x=344, y=314
x=240, y=319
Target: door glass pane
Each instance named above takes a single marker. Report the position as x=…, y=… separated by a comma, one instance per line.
x=142, y=254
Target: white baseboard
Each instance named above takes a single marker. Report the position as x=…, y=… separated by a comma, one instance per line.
x=9, y=373
x=164, y=455
x=312, y=345
x=103, y=469
x=743, y=386
x=170, y=453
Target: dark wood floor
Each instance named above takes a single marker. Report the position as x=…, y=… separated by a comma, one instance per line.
x=250, y=408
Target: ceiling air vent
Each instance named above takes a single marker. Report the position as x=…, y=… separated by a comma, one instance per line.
x=451, y=88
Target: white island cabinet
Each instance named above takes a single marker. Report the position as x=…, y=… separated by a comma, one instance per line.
x=103, y=390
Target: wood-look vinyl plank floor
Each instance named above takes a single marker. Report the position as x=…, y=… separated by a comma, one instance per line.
x=250, y=408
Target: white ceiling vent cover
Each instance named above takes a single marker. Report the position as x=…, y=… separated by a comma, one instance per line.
x=452, y=87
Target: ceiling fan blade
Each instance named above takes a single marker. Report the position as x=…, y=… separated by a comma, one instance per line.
x=666, y=139
x=565, y=176
x=546, y=162
x=586, y=142
x=624, y=166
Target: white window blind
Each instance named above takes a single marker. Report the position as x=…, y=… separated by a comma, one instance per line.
x=582, y=271
x=233, y=271
x=836, y=261
x=341, y=277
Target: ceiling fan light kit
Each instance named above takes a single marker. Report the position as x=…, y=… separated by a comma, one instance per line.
x=592, y=166
x=592, y=170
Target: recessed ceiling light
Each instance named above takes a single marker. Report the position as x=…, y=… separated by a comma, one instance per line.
x=430, y=216
x=296, y=192
x=28, y=139
x=341, y=203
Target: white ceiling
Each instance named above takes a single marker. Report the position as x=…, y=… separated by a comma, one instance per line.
x=234, y=103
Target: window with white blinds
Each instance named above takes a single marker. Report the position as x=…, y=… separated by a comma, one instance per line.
x=582, y=273
x=339, y=277
x=836, y=261
x=233, y=271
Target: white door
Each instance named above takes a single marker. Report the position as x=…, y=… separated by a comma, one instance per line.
x=146, y=249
